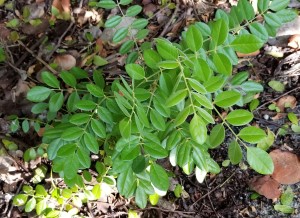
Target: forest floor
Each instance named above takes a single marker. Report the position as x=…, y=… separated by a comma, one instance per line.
x=224, y=195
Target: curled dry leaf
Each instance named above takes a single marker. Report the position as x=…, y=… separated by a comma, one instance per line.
x=294, y=41
x=286, y=101
x=266, y=186
x=286, y=167
x=65, y=61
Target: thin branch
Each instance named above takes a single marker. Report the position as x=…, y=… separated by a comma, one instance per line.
x=170, y=21
x=59, y=41
x=38, y=58
x=214, y=189
x=271, y=101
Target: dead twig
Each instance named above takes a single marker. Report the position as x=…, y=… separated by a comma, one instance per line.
x=38, y=58
x=59, y=41
x=181, y=213
x=275, y=99
x=34, y=46
x=170, y=21
x=18, y=191
x=214, y=189
x=211, y=203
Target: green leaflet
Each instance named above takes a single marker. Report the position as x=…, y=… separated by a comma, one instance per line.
x=38, y=94
x=50, y=80
x=176, y=97
x=278, y=5
x=217, y=136
x=246, y=43
x=71, y=134
x=199, y=157
x=260, y=160
x=198, y=129
x=227, y=98
x=157, y=120
x=155, y=150
x=219, y=31
x=120, y=34
x=184, y=153
x=151, y=58
x=126, y=183
x=235, y=152
x=239, y=117
x=91, y=143
x=252, y=134
x=159, y=177
x=194, y=38
x=135, y=71
x=222, y=64
x=141, y=197
x=113, y=21
x=133, y=10
x=166, y=49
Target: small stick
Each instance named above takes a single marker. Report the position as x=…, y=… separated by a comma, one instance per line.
x=38, y=58
x=214, y=189
x=18, y=191
x=23, y=57
x=59, y=41
x=170, y=21
x=268, y=102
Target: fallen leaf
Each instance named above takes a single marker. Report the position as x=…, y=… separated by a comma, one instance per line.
x=29, y=29
x=36, y=10
x=266, y=186
x=146, y=2
x=66, y=5
x=286, y=101
x=286, y=167
x=294, y=41
x=278, y=116
x=65, y=61
x=149, y=9
x=4, y=32
x=242, y=55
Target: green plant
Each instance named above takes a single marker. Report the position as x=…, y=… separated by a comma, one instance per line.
x=169, y=106
x=56, y=202
x=286, y=201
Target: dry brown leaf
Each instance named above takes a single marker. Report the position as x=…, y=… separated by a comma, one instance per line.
x=286, y=167
x=266, y=186
x=146, y=2
x=41, y=132
x=66, y=5
x=57, y=5
x=279, y=116
x=4, y=32
x=294, y=41
x=29, y=29
x=62, y=5
x=242, y=55
x=286, y=101
x=149, y=9
x=65, y=61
